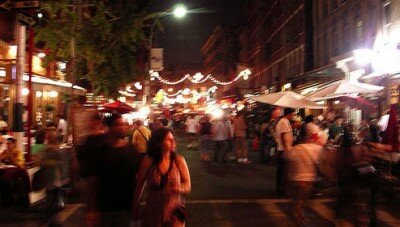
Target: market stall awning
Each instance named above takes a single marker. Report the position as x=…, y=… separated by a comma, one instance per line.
x=287, y=99
x=343, y=88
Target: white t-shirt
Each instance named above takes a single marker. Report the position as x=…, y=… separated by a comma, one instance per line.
x=3, y=124
x=191, y=124
x=283, y=126
x=62, y=124
x=302, y=160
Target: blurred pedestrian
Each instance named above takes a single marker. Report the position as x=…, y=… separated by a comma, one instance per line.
x=356, y=182
x=191, y=130
x=140, y=137
x=220, y=135
x=240, y=126
x=40, y=137
x=302, y=163
x=205, y=138
x=51, y=163
x=336, y=129
x=268, y=138
x=62, y=128
x=168, y=180
x=111, y=176
x=284, y=135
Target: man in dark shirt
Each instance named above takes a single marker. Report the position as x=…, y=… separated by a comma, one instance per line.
x=111, y=176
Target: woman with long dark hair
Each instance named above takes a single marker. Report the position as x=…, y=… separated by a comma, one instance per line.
x=168, y=180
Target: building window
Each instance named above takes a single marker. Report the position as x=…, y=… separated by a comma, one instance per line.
x=388, y=13
x=359, y=30
x=302, y=60
x=325, y=9
x=333, y=5
x=316, y=51
x=346, y=33
x=325, y=50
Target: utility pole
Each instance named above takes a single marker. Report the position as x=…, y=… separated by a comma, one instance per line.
x=18, y=127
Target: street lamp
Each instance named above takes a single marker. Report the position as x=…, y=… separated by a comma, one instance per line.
x=178, y=11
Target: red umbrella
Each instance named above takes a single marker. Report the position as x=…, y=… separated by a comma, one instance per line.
x=117, y=107
x=390, y=136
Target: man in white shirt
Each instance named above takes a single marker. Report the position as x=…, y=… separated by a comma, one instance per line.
x=191, y=130
x=62, y=128
x=284, y=135
x=220, y=134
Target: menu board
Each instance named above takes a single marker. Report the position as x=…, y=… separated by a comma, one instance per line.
x=81, y=118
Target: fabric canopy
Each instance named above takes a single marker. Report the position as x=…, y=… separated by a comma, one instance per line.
x=287, y=99
x=343, y=88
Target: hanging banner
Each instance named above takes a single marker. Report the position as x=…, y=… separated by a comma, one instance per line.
x=157, y=59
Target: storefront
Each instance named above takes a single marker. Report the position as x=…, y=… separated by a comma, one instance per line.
x=50, y=98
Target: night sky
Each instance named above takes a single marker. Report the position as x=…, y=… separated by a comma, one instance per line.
x=183, y=38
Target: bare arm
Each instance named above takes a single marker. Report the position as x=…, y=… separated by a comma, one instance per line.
x=185, y=175
x=143, y=170
x=287, y=140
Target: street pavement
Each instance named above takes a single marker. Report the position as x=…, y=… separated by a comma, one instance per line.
x=225, y=194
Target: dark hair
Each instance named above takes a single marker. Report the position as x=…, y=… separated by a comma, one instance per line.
x=348, y=138
x=11, y=140
x=154, y=146
x=40, y=136
x=308, y=118
x=110, y=121
x=288, y=111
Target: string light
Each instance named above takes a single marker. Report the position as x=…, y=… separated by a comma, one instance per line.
x=199, y=78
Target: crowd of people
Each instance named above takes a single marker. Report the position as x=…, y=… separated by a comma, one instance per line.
x=224, y=136
x=297, y=150
x=121, y=169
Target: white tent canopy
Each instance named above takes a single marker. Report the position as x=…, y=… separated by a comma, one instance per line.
x=343, y=88
x=287, y=99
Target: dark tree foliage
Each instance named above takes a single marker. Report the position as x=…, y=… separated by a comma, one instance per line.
x=105, y=37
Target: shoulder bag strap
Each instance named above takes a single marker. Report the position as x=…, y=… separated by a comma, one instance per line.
x=142, y=135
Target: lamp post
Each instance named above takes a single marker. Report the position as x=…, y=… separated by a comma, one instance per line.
x=178, y=11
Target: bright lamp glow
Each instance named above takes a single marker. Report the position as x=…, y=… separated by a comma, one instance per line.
x=12, y=51
x=25, y=91
x=218, y=113
x=180, y=11
x=39, y=94
x=41, y=55
x=363, y=56
x=387, y=60
x=53, y=94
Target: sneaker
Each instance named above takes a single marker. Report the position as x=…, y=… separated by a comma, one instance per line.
x=246, y=162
